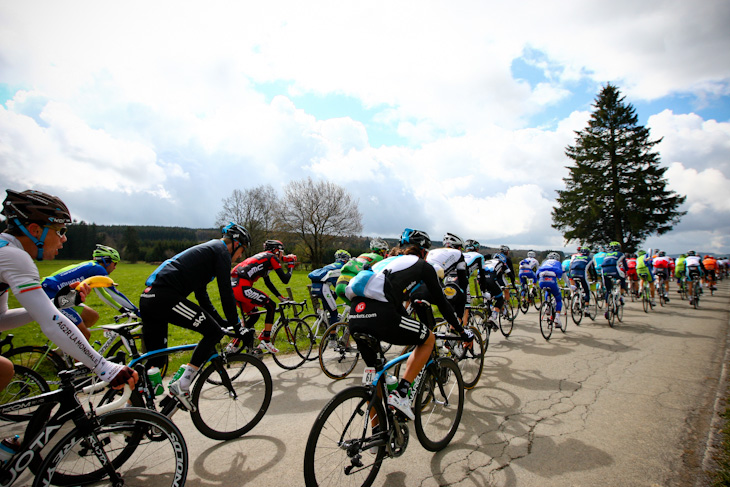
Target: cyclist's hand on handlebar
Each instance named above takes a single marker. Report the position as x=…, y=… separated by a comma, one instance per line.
x=125, y=376
x=467, y=336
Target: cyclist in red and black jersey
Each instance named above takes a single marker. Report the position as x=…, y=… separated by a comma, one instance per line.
x=245, y=274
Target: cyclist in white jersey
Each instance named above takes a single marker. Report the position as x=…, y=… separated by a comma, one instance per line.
x=36, y=228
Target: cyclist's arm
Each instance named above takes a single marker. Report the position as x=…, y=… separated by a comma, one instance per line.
x=284, y=276
x=114, y=298
x=271, y=287
x=431, y=280
x=12, y=318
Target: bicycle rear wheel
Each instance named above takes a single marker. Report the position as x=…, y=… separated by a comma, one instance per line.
x=40, y=359
x=24, y=384
x=524, y=301
x=537, y=299
x=645, y=303
x=506, y=319
x=547, y=316
x=223, y=414
x=470, y=359
x=576, y=308
x=611, y=310
x=144, y=447
x=439, y=404
x=338, y=447
x=338, y=352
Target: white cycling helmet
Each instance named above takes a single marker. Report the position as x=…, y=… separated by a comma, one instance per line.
x=453, y=241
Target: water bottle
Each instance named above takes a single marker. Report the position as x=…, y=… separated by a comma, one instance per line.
x=391, y=382
x=156, y=380
x=9, y=447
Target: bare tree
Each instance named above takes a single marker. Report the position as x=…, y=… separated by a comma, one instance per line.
x=254, y=209
x=319, y=213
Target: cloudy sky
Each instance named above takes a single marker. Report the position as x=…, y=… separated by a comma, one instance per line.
x=443, y=116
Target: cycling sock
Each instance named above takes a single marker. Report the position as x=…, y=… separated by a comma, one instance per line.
x=188, y=376
x=265, y=336
x=403, y=387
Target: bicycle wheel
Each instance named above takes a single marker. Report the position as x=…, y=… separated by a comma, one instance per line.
x=470, y=359
x=524, y=301
x=536, y=299
x=620, y=311
x=547, y=317
x=476, y=319
x=338, y=353
x=600, y=292
x=439, y=404
x=223, y=414
x=611, y=310
x=25, y=383
x=645, y=303
x=592, y=306
x=40, y=359
x=293, y=340
x=506, y=319
x=339, y=443
x=135, y=456
x=576, y=308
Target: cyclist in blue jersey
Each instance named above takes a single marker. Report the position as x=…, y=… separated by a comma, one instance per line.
x=104, y=263
x=614, y=267
x=549, y=274
x=165, y=300
x=325, y=279
x=36, y=228
x=581, y=268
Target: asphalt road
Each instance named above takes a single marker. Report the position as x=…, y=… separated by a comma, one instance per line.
x=628, y=406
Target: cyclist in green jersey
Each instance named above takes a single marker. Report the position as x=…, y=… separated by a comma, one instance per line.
x=679, y=269
x=378, y=250
x=644, y=270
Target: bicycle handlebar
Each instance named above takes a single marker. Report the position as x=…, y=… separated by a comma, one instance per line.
x=116, y=404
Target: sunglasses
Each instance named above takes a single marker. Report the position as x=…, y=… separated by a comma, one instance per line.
x=59, y=231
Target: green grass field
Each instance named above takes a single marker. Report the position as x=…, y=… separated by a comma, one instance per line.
x=130, y=279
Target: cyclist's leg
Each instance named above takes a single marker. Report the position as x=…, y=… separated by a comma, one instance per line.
x=330, y=303
x=6, y=372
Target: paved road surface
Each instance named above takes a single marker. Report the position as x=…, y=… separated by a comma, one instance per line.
x=629, y=406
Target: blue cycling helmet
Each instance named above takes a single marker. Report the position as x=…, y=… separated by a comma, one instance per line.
x=415, y=237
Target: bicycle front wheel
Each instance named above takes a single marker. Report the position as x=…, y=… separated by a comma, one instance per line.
x=40, y=359
x=342, y=449
x=144, y=448
x=439, y=404
x=338, y=353
x=546, y=320
x=294, y=342
x=223, y=413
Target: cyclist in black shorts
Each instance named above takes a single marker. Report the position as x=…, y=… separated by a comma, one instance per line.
x=165, y=300
x=377, y=296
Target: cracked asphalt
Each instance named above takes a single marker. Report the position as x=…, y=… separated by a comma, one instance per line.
x=628, y=406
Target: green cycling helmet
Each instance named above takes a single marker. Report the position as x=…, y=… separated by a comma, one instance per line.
x=103, y=252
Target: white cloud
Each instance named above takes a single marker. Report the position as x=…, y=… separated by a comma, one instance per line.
x=704, y=189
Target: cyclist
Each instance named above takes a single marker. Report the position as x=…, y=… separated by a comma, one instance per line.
x=528, y=267
x=710, y=264
x=679, y=270
x=509, y=269
x=36, y=228
x=492, y=284
x=662, y=264
x=581, y=267
x=644, y=269
x=631, y=274
x=450, y=266
x=614, y=267
x=165, y=300
x=549, y=273
x=324, y=279
x=377, y=298
x=245, y=274
x=105, y=260
x=378, y=250
x=694, y=269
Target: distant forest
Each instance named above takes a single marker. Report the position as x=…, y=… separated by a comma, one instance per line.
x=155, y=244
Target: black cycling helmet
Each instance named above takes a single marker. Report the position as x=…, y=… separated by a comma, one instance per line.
x=34, y=207
x=237, y=233
x=22, y=209
x=691, y=253
x=503, y=248
x=273, y=245
x=415, y=237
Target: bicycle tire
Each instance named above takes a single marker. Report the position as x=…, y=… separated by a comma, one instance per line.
x=537, y=299
x=600, y=292
x=338, y=362
x=645, y=303
x=476, y=319
x=546, y=320
x=40, y=359
x=284, y=337
x=437, y=417
x=524, y=301
x=139, y=458
x=592, y=306
x=343, y=421
x=620, y=311
x=577, y=308
x=611, y=310
x=506, y=328
x=219, y=415
x=312, y=319
x=24, y=384
x=470, y=360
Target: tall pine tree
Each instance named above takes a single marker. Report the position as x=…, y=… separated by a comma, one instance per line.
x=616, y=190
